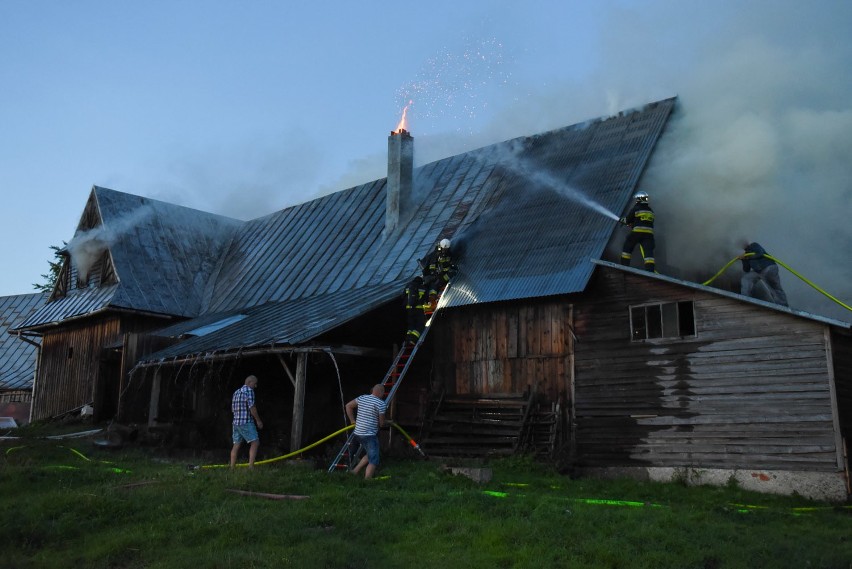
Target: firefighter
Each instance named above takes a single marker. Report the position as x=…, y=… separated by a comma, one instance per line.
x=415, y=294
x=438, y=266
x=640, y=220
x=756, y=267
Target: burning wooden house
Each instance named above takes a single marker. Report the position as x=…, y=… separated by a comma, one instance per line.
x=540, y=344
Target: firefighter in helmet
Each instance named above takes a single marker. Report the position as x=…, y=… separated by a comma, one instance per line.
x=640, y=220
x=438, y=266
x=415, y=297
x=438, y=269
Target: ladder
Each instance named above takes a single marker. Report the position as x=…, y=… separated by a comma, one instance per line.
x=347, y=458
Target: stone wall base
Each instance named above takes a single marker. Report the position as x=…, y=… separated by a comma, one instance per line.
x=824, y=486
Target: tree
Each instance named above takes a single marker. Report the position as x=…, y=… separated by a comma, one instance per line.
x=55, y=268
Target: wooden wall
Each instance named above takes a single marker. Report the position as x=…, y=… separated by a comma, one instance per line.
x=81, y=363
x=505, y=348
x=70, y=365
x=750, y=390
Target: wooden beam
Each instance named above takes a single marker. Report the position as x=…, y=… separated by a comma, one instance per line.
x=154, y=404
x=267, y=495
x=299, y=403
x=358, y=351
x=209, y=358
x=287, y=369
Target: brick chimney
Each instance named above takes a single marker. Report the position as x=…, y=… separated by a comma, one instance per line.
x=400, y=173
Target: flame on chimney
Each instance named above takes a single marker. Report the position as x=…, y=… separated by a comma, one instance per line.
x=403, y=122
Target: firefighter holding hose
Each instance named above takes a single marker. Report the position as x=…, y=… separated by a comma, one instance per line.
x=640, y=220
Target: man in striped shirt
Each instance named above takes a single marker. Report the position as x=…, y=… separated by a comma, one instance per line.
x=245, y=419
x=371, y=417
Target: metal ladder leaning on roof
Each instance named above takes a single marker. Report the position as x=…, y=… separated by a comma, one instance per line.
x=393, y=378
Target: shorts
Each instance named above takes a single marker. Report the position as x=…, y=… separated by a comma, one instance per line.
x=247, y=433
x=371, y=444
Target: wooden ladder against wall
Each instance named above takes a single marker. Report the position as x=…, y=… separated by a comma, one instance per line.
x=477, y=426
x=543, y=432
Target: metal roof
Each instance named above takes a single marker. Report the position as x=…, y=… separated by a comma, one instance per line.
x=274, y=323
x=17, y=358
x=509, y=207
x=546, y=225
x=76, y=304
x=514, y=211
x=164, y=256
x=725, y=293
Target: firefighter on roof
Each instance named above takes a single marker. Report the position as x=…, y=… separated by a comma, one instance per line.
x=438, y=266
x=641, y=223
x=756, y=267
x=438, y=269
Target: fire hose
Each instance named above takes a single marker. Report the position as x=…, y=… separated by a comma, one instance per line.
x=771, y=258
x=410, y=440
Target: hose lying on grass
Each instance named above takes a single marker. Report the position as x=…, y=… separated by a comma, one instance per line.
x=410, y=440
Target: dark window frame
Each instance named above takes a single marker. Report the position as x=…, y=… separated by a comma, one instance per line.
x=662, y=321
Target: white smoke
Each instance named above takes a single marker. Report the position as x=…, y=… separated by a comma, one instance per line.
x=757, y=149
x=87, y=247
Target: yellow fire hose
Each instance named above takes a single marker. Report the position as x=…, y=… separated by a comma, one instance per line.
x=816, y=287
x=411, y=441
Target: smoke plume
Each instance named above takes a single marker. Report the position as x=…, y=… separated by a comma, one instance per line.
x=758, y=147
x=759, y=150
x=87, y=247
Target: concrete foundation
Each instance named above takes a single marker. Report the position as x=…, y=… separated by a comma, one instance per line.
x=823, y=486
x=480, y=475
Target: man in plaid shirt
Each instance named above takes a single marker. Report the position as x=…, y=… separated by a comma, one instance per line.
x=245, y=418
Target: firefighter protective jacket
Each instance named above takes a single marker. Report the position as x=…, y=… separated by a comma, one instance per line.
x=641, y=218
x=756, y=261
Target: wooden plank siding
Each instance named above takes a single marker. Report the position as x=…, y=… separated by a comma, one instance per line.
x=749, y=390
x=70, y=364
x=505, y=348
x=82, y=363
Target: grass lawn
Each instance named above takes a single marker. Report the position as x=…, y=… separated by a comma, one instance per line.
x=69, y=504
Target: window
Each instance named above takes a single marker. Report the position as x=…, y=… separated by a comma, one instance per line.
x=666, y=320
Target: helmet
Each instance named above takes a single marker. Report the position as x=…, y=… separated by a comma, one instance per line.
x=444, y=244
x=642, y=197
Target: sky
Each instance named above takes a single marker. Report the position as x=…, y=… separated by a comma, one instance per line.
x=244, y=108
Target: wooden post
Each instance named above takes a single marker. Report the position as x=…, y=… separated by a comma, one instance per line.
x=298, y=402
x=572, y=339
x=154, y=405
x=832, y=390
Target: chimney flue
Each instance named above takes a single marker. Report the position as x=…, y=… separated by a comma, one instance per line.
x=400, y=173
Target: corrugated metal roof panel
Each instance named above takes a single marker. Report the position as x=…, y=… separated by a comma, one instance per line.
x=514, y=210
x=274, y=323
x=77, y=303
x=17, y=358
x=537, y=240
x=165, y=255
